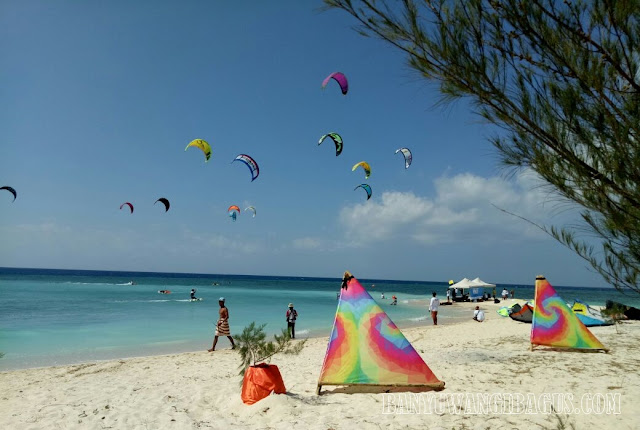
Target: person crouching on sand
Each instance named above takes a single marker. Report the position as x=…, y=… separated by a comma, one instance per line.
x=478, y=315
x=434, y=304
x=222, y=327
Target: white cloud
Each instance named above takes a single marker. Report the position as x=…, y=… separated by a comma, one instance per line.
x=461, y=210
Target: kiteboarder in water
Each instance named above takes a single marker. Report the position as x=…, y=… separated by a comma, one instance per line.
x=193, y=294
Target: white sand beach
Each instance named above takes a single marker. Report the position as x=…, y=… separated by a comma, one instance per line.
x=202, y=390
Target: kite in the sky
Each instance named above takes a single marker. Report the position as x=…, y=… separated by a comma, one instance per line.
x=203, y=146
x=336, y=139
x=340, y=78
x=407, y=156
x=251, y=208
x=250, y=163
x=365, y=187
x=165, y=202
x=233, y=208
x=11, y=190
x=128, y=204
x=365, y=166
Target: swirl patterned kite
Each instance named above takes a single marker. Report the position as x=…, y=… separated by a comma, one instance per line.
x=366, y=347
x=554, y=323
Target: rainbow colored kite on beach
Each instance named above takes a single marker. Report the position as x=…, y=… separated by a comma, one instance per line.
x=554, y=323
x=366, y=347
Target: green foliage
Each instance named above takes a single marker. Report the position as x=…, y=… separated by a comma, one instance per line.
x=254, y=348
x=561, y=80
x=615, y=313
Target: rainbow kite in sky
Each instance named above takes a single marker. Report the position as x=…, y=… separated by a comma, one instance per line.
x=366, y=347
x=555, y=324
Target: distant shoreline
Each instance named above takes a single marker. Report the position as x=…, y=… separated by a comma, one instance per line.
x=212, y=276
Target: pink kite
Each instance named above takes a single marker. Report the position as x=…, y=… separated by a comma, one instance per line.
x=127, y=203
x=340, y=78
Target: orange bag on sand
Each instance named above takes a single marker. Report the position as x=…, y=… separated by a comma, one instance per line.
x=259, y=381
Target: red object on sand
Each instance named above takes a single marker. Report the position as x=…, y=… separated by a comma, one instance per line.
x=259, y=381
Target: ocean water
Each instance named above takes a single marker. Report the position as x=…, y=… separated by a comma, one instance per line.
x=55, y=317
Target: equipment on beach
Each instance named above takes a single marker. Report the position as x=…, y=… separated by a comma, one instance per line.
x=589, y=316
x=367, y=348
x=505, y=311
x=524, y=314
x=555, y=325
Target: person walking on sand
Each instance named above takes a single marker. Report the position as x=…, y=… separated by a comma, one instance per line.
x=222, y=327
x=292, y=315
x=434, y=304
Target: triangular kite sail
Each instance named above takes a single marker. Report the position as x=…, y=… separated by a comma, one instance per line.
x=554, y=323
x=367, y=348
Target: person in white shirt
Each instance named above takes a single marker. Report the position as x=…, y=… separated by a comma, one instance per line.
x=478, y=315
x=434, y=304
x=505, y=294
x=448, y=295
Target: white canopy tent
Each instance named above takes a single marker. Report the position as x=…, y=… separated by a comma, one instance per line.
x=470, y=289
x=465, y=283
x=480, y=283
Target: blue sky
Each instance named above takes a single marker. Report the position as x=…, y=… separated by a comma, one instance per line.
x=101, y=98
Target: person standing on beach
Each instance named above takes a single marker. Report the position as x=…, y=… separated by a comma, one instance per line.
x=222, y=327
x=448, y=295
x=292, y=315
x=434, y=304
x=505, y=294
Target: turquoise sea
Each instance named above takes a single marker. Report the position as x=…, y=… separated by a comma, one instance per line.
x=55, y=317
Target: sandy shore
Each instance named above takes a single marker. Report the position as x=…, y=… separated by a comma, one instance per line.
x=202, y=390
